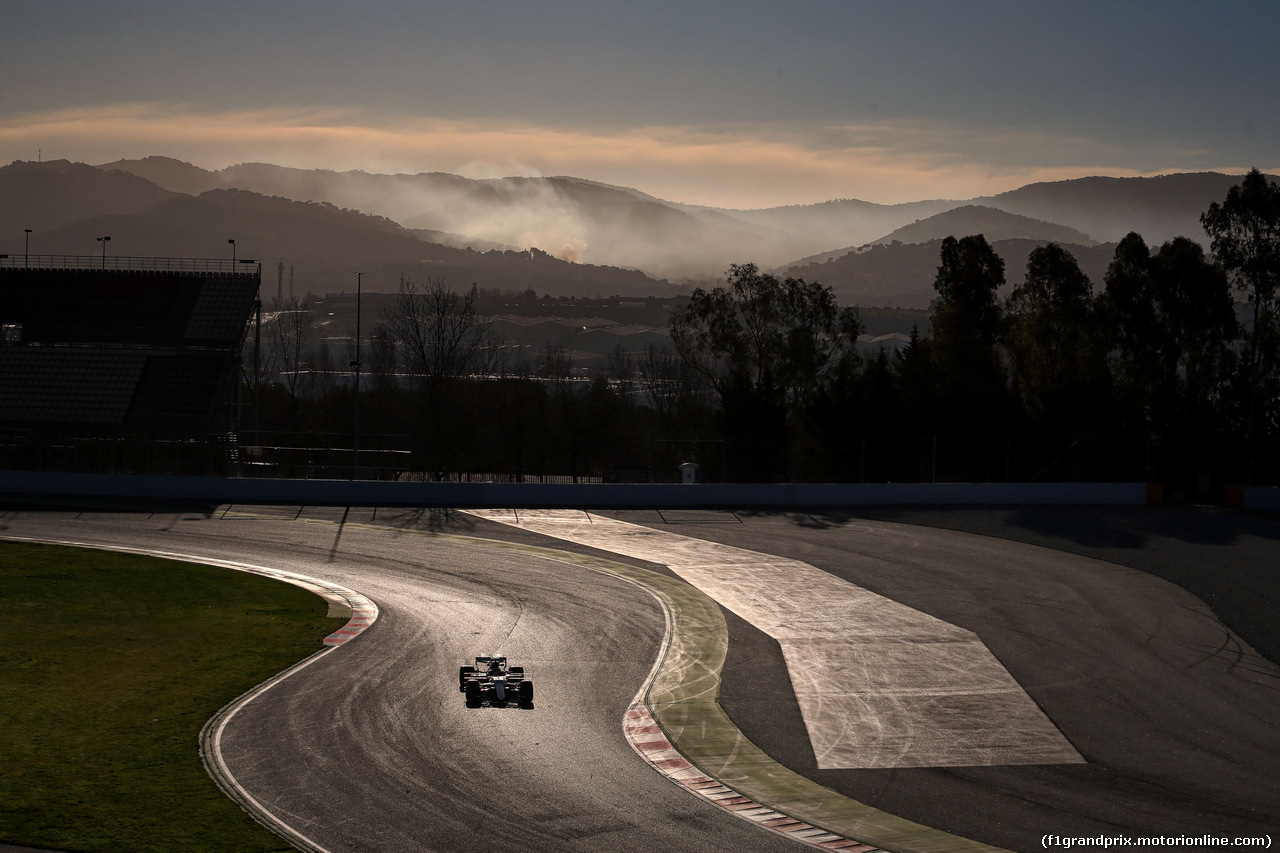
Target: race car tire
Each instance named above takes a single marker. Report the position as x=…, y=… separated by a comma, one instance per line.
x=463, y=672
x=526, y=693
x=473, y=694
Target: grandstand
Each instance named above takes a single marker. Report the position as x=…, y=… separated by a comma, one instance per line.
x=101, y=358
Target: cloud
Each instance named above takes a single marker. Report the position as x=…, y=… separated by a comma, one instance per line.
x=743, y=166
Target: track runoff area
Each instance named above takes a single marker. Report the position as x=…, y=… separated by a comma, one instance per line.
x=882, y=686
x=879, y=684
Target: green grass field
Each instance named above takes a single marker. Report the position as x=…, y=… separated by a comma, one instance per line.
x=110, y=664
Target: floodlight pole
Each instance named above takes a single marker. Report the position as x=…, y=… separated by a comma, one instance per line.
x=104, y=241
x=233, y=254
x=355, y=447
x=26, y=250
x=257, y=362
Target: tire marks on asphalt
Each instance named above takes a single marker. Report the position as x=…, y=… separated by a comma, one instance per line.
x=879, y=684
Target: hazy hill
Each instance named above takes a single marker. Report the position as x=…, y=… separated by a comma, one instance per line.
x=583, y=220
x=323, y=244
x=398, y=197
x=43, y=196
x=358, y=218
x=843, y=222
x=977, y=219
x=1107, y=209
x=571, y=218
x=589, y=221
x=174, y=175
x=994, y=224
x=901, y=275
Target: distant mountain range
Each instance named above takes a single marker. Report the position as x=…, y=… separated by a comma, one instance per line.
x=587, y=238
x=311, y=246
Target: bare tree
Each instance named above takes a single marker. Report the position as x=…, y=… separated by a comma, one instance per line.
x=441, y=332
x=323, y=377
x=623, y=370
x=292, y=328
x=260, y=358
x=442, y=339
x=382, y=356
x=667, y=381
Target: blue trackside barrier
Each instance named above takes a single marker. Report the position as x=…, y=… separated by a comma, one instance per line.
x=27, y=486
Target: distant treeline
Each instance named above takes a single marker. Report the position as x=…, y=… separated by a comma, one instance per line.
x=1166, y=371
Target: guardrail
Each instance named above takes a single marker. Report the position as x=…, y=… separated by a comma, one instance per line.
x=27, y=486
x=246, y=266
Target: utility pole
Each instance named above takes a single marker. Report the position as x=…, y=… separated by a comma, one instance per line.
x=257, y=362
x=355, y=447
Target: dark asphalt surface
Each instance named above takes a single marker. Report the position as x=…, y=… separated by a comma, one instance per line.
x=1156, y=686
x=1176, y=716
x=371, y=748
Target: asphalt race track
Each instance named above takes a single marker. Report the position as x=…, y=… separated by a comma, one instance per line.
x=372, y=749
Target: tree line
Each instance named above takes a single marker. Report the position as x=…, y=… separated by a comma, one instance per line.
x=1167, y=371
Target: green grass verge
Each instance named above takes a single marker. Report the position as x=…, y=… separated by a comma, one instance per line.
x=110, y=665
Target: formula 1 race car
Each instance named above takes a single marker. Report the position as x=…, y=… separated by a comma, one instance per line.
x=491, y=680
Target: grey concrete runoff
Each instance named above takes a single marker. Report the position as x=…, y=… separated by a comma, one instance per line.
x=1173, y=711
x=35, y=486
x=879, y=684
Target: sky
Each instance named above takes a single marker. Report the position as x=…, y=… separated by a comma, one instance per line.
x=741, y=104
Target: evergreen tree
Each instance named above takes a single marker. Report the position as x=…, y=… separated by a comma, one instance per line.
x=1058, y=359
x=966, y=335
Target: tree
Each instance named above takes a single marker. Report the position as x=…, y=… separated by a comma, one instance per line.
x=291, y=331
x=518, y=417
x=967, y=329
x=1197, y=321
x=1244, y=231
x=1053, y=339
x=765, y=346
x=440, y=331
x=670, y=385
x=1129, y=310
x=259, y=362
x=777, y=338
x=917, y=377
x=1172, y=320
x=443, y=340
x=383, y=357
